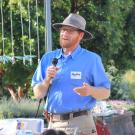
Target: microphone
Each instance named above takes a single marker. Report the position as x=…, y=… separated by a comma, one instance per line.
x=54, y=61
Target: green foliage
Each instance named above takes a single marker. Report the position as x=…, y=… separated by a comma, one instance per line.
x=17, y=73
x=25, y=108
x=129, y=77
x=120, y=90
x=132, y=94
x=123, y=85
x=133, y=110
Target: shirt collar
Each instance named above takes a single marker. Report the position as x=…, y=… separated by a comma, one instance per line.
x=60, y=54
x=76, y=52
x=73, y=54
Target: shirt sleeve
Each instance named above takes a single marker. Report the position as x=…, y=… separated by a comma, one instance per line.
x=100, y=78
x=40, y=72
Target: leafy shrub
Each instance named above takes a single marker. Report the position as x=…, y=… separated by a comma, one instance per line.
x=132, y=95
x=129, y=77
x=122, y=84
x=133, y=110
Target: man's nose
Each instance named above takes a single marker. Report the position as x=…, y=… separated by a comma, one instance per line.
x=65, y=33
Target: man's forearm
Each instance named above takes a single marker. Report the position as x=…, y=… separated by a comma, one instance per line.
x=100, y=93
x=41, y=89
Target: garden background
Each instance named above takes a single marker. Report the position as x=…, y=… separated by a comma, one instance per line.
x=23, y=42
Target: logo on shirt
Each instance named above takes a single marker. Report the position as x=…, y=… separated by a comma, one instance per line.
x=75, y=75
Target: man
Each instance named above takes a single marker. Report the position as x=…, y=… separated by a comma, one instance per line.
x=74, y=83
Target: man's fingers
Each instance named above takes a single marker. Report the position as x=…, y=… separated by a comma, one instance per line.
x=85, y=84
x=82, y=91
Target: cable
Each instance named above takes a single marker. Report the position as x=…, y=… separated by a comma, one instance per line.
x=38, y=108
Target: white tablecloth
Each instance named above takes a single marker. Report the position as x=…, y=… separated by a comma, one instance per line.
x=9, y=126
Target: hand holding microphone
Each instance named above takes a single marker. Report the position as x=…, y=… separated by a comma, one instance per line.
x=40, y=90
x=52, y=70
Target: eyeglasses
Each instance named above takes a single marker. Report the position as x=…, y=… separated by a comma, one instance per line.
x=69, y=30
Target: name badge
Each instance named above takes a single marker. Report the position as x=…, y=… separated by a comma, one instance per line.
x=75, y=75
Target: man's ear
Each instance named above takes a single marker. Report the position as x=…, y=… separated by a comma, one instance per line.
x=81, y=35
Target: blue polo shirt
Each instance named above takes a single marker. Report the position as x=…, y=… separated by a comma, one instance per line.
x=81, y=66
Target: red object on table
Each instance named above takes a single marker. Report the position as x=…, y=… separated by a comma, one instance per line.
x=102, y=128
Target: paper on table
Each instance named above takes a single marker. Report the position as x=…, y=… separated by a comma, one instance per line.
x=7, y=126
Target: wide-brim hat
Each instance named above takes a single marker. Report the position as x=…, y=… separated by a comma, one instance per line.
x=76, y=21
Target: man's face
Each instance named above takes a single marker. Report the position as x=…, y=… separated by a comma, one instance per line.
x=69, y=37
